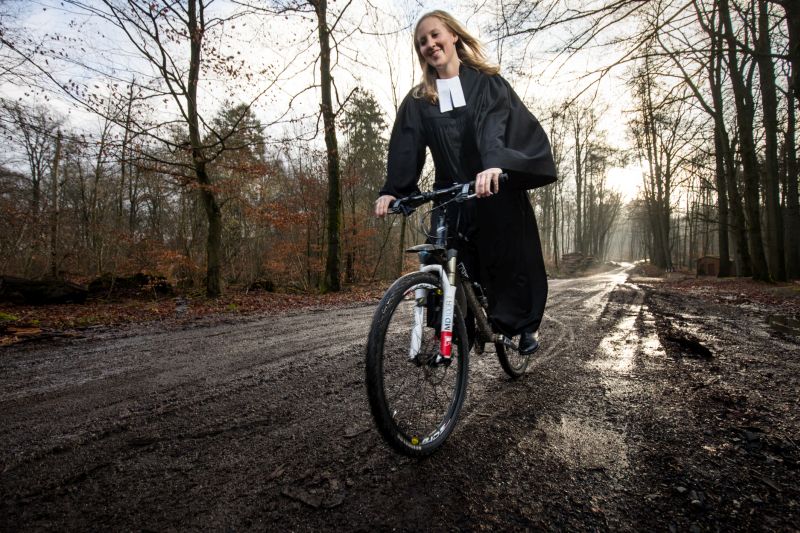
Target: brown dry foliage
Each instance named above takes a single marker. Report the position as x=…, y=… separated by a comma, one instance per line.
x=27, y=322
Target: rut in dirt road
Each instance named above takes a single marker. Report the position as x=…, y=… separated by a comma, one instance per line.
x=264, y=424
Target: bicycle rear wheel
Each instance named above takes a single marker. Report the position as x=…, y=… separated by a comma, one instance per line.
x=415, y=401
x=513, y=362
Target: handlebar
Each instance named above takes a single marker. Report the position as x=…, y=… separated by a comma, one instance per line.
x=459, y=192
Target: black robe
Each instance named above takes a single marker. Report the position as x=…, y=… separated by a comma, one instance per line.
x=494, y=130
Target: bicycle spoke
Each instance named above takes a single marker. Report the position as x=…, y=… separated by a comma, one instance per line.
x=418, y=399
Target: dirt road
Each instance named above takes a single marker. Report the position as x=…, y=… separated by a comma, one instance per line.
x=642, y=411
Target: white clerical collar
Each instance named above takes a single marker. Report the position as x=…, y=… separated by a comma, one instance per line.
x=450, y=94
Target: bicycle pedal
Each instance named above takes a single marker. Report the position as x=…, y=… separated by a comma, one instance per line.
x=508, y=342
x=441, y=361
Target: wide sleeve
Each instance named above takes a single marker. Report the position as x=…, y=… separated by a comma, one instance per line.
x=406, y=151
x=510, y=137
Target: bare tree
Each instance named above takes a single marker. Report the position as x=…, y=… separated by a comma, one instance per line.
x=172, y=38
x=769, y=114
x=663, y=133
x=583, y=124
x=325, y=27
x=741, y=75
x=33, y=132
x=332, y=280
x=54, y=205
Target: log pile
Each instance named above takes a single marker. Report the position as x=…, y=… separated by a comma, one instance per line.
x=135, y=285
x=575, y=262
x=37, y=292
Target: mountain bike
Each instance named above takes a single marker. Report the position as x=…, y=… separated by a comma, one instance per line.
x=418, y=348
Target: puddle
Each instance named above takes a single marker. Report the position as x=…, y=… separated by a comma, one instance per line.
x=617, y=350
x=617, y=353
x=579, y=444
x=601, y=287
x=649, y=342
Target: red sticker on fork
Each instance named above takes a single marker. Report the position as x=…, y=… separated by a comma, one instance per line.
x=446, y=343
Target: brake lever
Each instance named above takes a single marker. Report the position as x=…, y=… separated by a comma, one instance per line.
x=402, y=208
x=464, y=195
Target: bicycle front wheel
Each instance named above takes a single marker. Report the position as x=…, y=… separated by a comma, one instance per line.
x=414, y=399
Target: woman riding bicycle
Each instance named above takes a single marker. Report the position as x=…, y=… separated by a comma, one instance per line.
x=477, y=128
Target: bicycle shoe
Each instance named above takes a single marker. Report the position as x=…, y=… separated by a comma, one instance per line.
x=528, y=343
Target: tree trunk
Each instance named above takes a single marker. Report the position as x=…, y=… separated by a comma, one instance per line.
x=792, y=200
x=747, y=148
x=722, y=205
x=728, y=201
x=214, y=242
x=39, y=292
x=792, y=8
x=350, y=274
x=554, y=198
x=212, y=208
x=125, y=181
x=54, y=210
x=658, y=206
x=331, y=281
x=769, y=101
x=689, y=234
x=793, y=99
x=720, y=149
x=578, y=185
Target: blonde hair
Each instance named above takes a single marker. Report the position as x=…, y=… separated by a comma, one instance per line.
x=468, y=48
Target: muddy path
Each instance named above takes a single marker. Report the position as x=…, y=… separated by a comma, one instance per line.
x=622, y=422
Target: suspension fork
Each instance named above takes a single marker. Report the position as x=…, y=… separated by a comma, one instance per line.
x=446, y=326
x=420, y=296
x=447, y=280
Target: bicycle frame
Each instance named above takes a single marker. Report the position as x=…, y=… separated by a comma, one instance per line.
x=416, y=387
x=447, y=276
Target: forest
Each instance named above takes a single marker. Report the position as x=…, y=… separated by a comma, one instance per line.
x=223, y=144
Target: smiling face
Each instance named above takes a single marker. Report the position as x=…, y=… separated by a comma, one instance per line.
x=437, y=46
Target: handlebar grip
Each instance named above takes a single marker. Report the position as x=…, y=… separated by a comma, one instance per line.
x=409, y=204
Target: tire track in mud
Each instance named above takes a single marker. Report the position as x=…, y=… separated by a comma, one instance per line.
x=265, y=424
x=570, y=303
x=598, y=439
x=545, y=433
x=83, y=363
x=156, y=418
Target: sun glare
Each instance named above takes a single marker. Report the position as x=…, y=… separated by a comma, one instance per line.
x=626, y=180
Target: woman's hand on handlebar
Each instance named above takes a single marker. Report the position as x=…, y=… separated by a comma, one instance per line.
x=382, y=205
x=487, y=182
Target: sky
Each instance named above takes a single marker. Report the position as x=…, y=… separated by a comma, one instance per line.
x=384, y=64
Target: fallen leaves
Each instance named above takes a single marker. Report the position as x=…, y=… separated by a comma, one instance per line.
x=27, y=322
x=779, y=298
